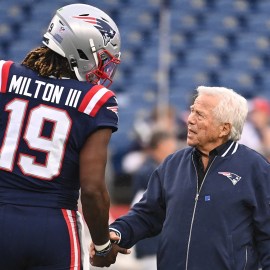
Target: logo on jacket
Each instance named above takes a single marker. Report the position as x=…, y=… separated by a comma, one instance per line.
x=232, y=176
x=101, y=25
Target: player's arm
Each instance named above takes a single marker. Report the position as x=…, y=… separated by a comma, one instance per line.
x=94, y=195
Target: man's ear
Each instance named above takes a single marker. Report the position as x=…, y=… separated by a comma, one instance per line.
x=225, y=129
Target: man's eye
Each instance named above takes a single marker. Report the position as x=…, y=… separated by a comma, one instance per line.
x=200, y=115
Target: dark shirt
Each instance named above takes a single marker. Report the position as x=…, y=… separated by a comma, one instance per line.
x=218, y=151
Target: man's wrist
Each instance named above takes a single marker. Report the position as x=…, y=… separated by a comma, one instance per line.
x=102, y=247
x=103, y=250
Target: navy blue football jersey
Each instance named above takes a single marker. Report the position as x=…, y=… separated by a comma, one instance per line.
x=44, y=123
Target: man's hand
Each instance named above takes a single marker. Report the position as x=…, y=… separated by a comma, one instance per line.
x=110, y=258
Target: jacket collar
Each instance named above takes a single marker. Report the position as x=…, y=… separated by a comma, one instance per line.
x=226, y=149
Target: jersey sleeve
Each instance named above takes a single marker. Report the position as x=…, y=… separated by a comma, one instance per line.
x=4, y=72
x=101, y=104
x=108, y=115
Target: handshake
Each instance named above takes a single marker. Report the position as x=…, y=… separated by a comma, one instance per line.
x=107, y=256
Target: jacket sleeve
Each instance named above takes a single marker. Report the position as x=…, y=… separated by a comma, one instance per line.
x=145, y=218
x=261, y=215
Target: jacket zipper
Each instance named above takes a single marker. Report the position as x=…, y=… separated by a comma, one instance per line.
x=195, y=206
x=246, y=259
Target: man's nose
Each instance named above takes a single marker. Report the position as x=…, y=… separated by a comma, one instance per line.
x=190, y=118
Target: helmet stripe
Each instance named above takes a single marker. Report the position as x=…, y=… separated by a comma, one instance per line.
x=86, y=18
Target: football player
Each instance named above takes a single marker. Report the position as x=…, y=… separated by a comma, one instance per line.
x=57, y=116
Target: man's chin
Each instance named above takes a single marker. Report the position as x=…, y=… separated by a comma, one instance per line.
x=190, y=142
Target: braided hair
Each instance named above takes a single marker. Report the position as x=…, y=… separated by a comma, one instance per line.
x=48, y=63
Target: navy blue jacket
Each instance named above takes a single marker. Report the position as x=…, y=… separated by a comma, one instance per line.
x=225, y=225
x=140, y=179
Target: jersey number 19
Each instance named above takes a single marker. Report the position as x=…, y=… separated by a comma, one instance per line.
x=53, y=146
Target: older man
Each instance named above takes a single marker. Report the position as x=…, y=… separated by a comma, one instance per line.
x=210, y=200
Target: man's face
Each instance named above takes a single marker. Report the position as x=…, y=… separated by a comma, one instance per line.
x=204, y=131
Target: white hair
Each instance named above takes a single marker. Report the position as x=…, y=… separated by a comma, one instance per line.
x=232, y=108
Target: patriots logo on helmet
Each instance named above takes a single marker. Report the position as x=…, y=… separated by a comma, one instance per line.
x=232, y=176
x=101, y=25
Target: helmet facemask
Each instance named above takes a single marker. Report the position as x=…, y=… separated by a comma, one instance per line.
x=105, y=70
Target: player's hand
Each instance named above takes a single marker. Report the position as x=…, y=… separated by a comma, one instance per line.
x=110, y=258
x=114, y=238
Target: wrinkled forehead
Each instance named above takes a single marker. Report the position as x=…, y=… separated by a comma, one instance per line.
x=206, y=101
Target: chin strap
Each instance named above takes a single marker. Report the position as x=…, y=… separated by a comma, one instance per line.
x=74, y=65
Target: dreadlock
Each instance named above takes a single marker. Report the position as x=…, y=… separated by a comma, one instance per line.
x=48, y=63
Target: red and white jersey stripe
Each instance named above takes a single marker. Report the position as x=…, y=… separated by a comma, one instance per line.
x=4, y=71
x=95, y=99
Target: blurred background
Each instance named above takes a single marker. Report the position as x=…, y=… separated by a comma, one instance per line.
x=169, y=47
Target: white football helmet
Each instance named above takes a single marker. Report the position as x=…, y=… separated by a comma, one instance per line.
x=89, y=39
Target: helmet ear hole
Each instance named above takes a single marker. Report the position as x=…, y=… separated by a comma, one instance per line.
x=82, y=55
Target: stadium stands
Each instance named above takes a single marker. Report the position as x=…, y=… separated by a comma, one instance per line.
x=202, y=32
